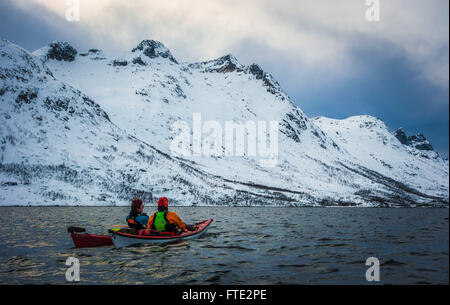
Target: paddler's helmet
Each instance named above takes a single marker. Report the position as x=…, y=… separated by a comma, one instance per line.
x=137, y=205
x=163, y=203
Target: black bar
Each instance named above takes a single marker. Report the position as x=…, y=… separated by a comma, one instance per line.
x=227, y=294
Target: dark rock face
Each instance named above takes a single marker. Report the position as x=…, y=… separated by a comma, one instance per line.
x=417, y=141
x=61, y=51
x=401, y=136
x=153, y=49
x=227, y=64
x=119, y=63
x=26, y=96
x=293, y=125
x=224, y=64
x=10, y=183
x=91, y=52
x=269, y=82
x=139, y=61
x=256, y=70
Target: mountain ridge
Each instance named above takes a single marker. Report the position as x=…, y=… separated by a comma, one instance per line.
x=143, y=95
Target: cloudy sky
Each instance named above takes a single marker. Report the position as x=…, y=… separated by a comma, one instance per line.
x=324, y=53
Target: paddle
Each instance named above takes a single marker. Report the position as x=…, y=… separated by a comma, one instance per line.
x=74, y=229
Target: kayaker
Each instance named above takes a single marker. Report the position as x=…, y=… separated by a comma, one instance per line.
x=137, y=219
x=164, y=220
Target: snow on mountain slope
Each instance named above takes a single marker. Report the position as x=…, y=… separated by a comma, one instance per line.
x=59, y=147
x=141, y=93
x=370, y=142
x=148, y=97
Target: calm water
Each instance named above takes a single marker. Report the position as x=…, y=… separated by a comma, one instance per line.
x=242, y=246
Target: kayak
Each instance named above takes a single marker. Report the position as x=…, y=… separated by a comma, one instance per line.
x=81, y=239
x=124, y=239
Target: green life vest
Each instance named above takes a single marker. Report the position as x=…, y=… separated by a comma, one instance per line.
x=160, y=221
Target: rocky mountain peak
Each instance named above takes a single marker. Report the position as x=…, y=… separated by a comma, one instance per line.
x=417, y=141
x=224, y=64
x=230, y=61
x=57, y=50
x=154, y=49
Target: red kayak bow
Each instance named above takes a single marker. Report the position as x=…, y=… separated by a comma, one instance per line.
x=84, y=240
x=81, y=239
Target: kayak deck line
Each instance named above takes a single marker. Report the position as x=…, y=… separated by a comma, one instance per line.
x=184, y=234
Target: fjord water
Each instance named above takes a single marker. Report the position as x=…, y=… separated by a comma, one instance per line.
x=244, y=245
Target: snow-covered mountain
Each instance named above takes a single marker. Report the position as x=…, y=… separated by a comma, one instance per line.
x=95, y=128
x=369, y=141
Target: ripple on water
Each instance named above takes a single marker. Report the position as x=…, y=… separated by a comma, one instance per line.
x=228, y=247
x=302, y=246
x=392, y=262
